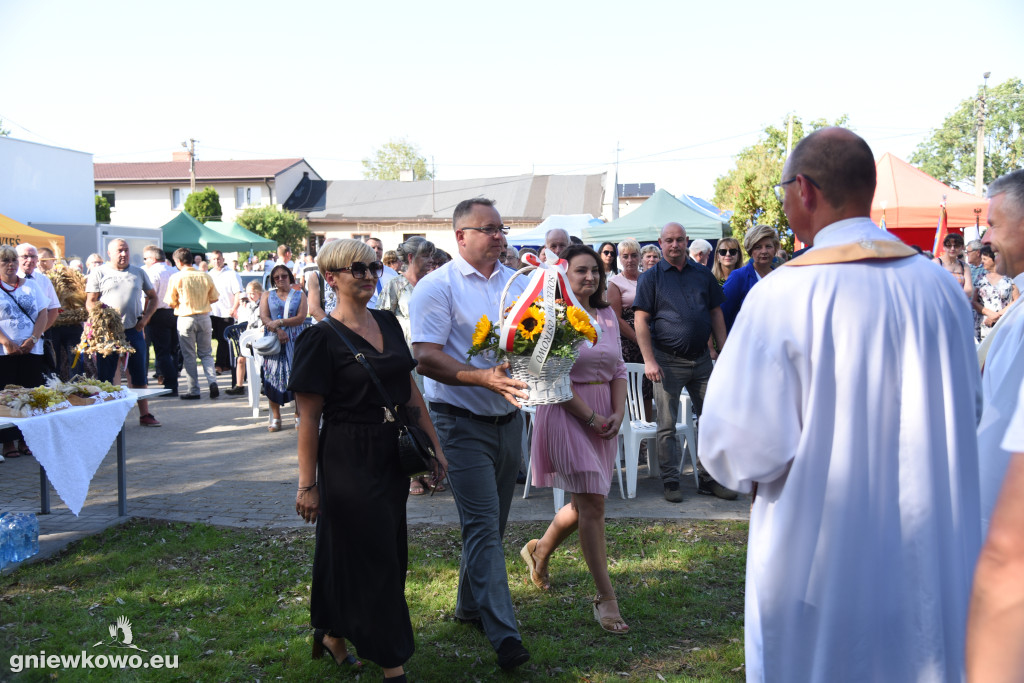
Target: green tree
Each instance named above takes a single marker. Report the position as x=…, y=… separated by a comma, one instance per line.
x=102, y=210
x=949, y=154
x=3, y=131
x=393, y=157
x=204, y=206
x=284, y=227
x=747, y=190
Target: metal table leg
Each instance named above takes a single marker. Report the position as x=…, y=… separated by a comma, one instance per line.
x=44, y=492
x=122, y=483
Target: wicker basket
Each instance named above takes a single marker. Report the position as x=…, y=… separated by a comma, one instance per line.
x=552, y=386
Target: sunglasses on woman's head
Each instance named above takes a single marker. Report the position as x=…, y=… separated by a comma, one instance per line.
x=359, y=269
x=728, y=252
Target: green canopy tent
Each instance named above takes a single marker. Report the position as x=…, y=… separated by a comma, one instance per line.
x=255, y=242
x=185, y=231
x=645, y=223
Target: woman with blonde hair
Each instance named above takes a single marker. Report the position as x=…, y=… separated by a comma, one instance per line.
x=350, y=482
x=728, y=258
x=761, y=243
x=621, y=291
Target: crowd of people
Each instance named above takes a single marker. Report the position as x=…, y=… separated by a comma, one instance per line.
x=869, y=403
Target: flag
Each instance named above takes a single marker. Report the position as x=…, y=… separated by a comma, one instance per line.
x=941, y=230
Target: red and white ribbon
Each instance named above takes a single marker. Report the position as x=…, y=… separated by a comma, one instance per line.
x=548, y=279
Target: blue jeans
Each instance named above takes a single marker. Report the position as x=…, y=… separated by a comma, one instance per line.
x=137, y=362
x=677, y=373
x=483, y=461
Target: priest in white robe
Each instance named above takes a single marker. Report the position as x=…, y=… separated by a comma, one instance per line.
x=847, y=399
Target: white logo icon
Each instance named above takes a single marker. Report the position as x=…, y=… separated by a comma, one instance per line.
x=124, y=627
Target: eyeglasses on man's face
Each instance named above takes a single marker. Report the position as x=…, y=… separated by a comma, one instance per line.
x=728, y=252
x=360, y=269
x=780, y=188
x=491, y=230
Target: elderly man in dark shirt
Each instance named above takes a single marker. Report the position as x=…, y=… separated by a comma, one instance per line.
x=678, y=307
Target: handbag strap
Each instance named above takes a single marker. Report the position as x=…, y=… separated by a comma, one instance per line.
x=373, y=375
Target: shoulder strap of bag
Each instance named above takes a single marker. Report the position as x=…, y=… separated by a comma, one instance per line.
x=391, y=407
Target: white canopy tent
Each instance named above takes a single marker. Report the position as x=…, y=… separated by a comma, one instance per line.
x=572, y=224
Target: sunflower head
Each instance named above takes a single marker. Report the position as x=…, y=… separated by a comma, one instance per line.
x=483, y=328
x=532, y=323
x=580, y=322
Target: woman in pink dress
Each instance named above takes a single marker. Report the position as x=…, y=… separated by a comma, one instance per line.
x=574, y=442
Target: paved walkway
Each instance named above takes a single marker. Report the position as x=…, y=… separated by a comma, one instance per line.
x=212, y=462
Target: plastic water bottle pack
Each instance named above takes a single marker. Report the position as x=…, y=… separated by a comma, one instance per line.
x=19, y=537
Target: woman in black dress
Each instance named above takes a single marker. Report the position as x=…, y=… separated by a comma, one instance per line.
x=350, y=483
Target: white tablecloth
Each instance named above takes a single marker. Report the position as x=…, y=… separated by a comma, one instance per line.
x=70, y=444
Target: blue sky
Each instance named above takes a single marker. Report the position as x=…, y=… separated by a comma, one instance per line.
x=491, y=88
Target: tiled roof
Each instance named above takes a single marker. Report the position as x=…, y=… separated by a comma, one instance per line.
x=154, y=171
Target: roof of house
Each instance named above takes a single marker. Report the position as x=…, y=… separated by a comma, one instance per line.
x=178, y=171
x=529, y=197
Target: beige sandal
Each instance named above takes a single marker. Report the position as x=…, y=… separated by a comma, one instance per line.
x=541, y=581
x=274, y=425
x=614, y=624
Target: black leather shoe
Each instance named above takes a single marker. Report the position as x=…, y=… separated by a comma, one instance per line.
x=710, y=487
x=511, y=654
x=672, y=492
x=189, y=397
x=214, y=391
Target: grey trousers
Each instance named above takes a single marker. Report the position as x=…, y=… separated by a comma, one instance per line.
x=483, y=461
x=676, y=374
x=195, y=333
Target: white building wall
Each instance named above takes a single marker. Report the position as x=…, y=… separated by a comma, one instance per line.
x=152, y=205
x=44, y=184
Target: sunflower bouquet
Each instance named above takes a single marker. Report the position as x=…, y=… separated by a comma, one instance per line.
x=540, y=334
x=572, y=327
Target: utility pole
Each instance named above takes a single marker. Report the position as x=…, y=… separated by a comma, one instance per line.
x=979, y=149
x=190, y=146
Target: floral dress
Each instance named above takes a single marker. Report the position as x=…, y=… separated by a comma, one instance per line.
x=994, y=297
x=277, y=369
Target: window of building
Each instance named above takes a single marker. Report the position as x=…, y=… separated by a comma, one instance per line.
x=407, y=235
x=108, y=195
x=362, y=237
x=247, y=196
x=178, y=196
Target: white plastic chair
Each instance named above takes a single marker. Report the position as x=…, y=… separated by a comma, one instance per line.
x=252, y=376
x=687, y=428
x=635, y=429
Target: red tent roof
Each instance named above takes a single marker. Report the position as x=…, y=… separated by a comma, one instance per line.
x=912, y=197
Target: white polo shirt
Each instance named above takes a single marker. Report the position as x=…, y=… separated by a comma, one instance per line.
x=160, y=274
x=445, y=308
x=229, y=283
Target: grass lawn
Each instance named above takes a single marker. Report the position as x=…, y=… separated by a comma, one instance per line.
x=233, y=605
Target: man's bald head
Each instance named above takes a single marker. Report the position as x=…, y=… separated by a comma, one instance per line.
x=841, y=166
x=673, y=229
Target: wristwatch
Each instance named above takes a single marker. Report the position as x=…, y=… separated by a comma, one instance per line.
x=34, y=338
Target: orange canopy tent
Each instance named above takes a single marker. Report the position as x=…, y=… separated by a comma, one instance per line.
x=909, y=198
x=14, y=233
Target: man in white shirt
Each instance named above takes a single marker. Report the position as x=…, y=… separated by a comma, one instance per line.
x=995, y=630
x=853, y=415
x=224, y=310
x=473, y=406
x=28, y=259
x=1001, y=355
x=162, y=329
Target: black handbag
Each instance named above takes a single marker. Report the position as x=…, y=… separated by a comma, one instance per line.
x=415, y=453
